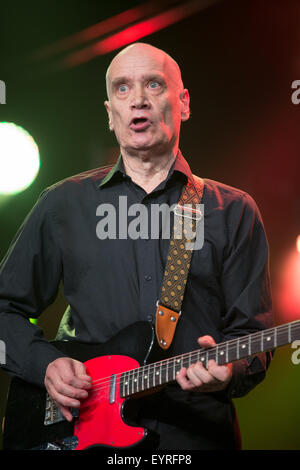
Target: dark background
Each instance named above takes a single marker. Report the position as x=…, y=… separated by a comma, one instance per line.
x=238, y=60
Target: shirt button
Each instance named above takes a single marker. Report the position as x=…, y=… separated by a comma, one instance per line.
x=148, y=277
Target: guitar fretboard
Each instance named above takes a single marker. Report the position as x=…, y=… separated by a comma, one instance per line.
x=162, y=372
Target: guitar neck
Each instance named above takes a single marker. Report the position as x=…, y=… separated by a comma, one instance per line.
x=163, y=372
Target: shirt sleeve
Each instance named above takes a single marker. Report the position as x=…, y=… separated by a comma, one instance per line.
x=30, y=274
x=247, y=292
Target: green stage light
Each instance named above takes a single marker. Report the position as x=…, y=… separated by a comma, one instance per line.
x=19, y=159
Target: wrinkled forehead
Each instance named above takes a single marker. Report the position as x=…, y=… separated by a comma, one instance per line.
x=138, y=61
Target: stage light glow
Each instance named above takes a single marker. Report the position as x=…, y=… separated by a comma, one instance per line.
x=100, y=29
x=19, y=159
x=288, y=295
x=298, y=243
x=135, y=32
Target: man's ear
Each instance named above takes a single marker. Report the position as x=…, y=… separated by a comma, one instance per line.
x=110, y=123
x=185, y=105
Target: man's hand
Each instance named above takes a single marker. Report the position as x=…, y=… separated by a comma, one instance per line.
x=198, y=378
x=67, y=383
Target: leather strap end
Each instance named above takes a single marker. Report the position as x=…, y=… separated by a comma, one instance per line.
x=165, y=325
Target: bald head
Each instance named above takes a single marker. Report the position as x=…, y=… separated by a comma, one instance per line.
x=137, y=53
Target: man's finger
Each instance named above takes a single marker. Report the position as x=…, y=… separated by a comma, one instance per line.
x=198, y=375
x=206, y=341
x=181, y=378
x=80, y=372
x=62, y=399
x=66, y=371
x=221, y=373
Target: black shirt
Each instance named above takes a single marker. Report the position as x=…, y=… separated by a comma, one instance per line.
x=113, y=282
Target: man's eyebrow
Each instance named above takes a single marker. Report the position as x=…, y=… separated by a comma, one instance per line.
x=123, y=79
x=118, y=80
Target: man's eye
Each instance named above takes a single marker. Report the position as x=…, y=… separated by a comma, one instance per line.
x=154, y=84
x=123, y=88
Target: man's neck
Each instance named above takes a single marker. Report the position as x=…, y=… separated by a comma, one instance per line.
x=148, y=170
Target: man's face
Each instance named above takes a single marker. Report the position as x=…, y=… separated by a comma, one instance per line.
x=147, y=100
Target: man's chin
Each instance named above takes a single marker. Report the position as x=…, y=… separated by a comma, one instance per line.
x=141, y=146
x=145, y=145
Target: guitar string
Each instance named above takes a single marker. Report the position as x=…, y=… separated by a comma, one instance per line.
x=210, y=351
x=214, y=348
x=169, y=363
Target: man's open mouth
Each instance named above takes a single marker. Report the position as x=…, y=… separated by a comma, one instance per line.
x=139, y=124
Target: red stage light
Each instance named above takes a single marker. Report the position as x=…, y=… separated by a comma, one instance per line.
x=135, y=32
x=288, y=295
x=298, y=243
x=100, y=29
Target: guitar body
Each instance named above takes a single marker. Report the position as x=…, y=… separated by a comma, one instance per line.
x=98, y=408
x=105, y=419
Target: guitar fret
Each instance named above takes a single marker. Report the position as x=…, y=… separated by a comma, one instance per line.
x=156, y=374
x=189, y=359
x=132, y=381
x=135, y=380
x=142, y=379
x=221, y=355
x=126, y=383
x=159, y=374
x=137, y=383
x=148, y=377
x=154, y=377
x=244, y=346
x=167, y=371
x=268, y=340
x=201, y=357
x=177, y=369
x=122, y=385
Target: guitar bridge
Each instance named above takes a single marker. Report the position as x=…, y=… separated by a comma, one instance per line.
x=53, y=414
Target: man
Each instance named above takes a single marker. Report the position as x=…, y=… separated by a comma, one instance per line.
x=227, y=293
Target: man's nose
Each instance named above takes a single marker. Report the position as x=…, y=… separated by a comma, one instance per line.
x=140, y=98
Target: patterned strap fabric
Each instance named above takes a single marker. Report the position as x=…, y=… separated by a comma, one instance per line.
x=186, y=216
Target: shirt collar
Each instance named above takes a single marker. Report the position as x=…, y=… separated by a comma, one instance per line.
x=180, y=165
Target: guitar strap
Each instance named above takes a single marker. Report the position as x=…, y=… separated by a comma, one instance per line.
x=186, y=216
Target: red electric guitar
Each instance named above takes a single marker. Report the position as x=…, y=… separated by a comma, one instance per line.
x=33, y=421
